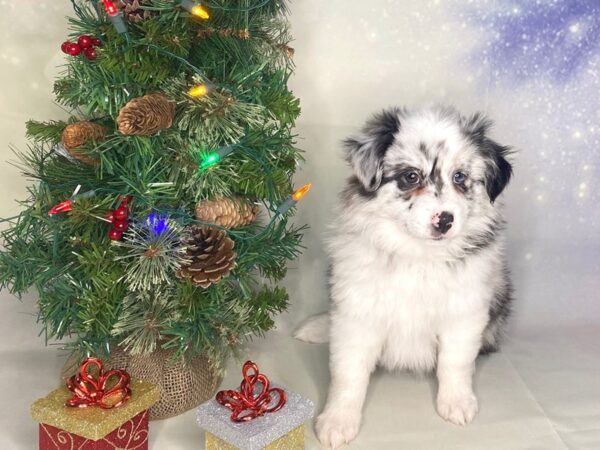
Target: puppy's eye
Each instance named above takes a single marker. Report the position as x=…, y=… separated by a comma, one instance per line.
x=412, y=177
x=459, y=177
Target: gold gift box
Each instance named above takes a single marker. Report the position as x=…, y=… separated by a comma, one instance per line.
x=93, y=422
x=294, y=440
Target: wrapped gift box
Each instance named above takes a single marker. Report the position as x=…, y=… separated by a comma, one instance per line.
x=93, y=428
x=281, y=430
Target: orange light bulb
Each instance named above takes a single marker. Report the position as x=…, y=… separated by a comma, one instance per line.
x=301, y=192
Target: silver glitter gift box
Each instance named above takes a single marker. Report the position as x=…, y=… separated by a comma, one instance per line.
x=281, y=430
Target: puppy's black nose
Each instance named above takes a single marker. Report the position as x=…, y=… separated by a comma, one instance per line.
x=444, y=222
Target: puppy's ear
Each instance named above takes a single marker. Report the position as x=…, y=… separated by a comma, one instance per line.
x=365, y=153
x=498, y=170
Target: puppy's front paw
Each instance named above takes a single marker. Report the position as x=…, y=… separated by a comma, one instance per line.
x=460, y=409
x=335, y=428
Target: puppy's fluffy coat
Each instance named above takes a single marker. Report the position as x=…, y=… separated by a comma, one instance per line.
x=418, y=275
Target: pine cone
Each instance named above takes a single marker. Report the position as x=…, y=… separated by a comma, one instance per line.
x=210, y=255
x=132, y=11
x=146, y=115
x=76, y=135
x=227, y=212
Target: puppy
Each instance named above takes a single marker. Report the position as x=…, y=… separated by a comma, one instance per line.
x=418, y=275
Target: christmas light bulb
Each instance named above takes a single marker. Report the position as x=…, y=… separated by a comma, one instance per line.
x=294, y=198
x=64, y=206
x=200, y=12
x=157, y=224
x=110, y=8
x=195, y=9
x=301, y=192
x=67, y=205
x=198, y=90
x=212, y=158
x=116, y=18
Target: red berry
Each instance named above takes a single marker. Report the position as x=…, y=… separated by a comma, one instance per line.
x=110, y=216
x=121, y=213
x=120, y=225
x=96, y=42
x=90, y=53
x=73, y=49
x=126, y=200
x=64, y=45
x=85, y=41
x=115, y=235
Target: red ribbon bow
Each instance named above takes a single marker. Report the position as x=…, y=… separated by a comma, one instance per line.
x=98, y=390
x=245, y=404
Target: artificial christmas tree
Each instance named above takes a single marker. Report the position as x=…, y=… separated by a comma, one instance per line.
x=179, y=104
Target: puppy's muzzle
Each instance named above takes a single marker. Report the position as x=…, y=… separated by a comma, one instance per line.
x=442, y=222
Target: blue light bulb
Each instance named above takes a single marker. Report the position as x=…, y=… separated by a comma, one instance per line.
x=157, y=224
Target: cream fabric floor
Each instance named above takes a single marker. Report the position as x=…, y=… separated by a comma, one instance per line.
x=541, y=392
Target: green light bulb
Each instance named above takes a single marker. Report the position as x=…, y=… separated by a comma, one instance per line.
x=209, y=160
x=213, y=158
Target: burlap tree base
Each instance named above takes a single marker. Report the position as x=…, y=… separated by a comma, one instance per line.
x=183, y=386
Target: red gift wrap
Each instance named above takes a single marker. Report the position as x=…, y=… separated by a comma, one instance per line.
x=133, y=434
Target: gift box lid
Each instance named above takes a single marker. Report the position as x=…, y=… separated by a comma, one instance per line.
x=93, y=422
x=257, y=433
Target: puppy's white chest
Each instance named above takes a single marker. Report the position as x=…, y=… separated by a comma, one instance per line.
x=406, y=303
x=400, y=292
x=416, y=300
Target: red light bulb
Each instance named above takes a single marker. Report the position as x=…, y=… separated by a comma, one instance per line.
x=110, y=8
x=65, y=206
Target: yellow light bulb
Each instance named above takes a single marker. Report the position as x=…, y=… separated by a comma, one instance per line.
x=199, y=11
x=301, y=192
x=198, y=91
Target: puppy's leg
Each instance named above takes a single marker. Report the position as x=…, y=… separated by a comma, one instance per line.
x=354, y=349
x=459, y=345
